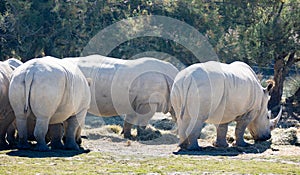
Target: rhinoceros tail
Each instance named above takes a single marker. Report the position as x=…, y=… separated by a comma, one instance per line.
x=186, y=84
x=28, y=83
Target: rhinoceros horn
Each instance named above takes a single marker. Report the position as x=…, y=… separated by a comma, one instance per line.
x=275, y=120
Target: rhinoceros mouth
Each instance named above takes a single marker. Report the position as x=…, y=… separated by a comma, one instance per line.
x=263, y=138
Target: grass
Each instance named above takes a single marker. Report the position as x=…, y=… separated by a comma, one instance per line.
x=97, y=162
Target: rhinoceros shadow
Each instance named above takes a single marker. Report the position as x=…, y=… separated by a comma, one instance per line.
x=52, y=153
x=256, y=148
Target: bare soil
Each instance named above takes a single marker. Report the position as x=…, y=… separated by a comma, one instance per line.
x=103, y=135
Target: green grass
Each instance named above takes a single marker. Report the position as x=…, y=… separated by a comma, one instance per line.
x=96, y=162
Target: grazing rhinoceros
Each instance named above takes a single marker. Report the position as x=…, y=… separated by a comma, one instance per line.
x=137, y=88
x=53, y=91
x=6, y=113
x=220, y=93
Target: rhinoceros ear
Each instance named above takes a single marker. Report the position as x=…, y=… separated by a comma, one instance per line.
x=90, y=81
x=270, y=86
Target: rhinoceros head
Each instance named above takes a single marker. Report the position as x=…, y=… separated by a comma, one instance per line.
x=260, y=128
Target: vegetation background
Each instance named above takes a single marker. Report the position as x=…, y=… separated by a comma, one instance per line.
x=262, y=33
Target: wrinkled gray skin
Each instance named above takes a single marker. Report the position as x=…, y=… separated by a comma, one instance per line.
x=6, y=113
x=54, y=91
x=134, y=88
x=220, y=93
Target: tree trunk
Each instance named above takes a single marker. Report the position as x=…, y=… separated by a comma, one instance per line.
x=279, y=75
x=281, y=68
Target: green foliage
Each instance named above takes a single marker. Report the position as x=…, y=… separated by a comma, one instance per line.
x=63, y=28
x=259, y=32
x=256, y=32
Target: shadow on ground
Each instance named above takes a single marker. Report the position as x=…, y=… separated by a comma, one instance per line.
x=256, y=148
x=52, y=153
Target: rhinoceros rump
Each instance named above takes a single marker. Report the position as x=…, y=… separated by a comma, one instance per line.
x=220, y=93
x=137, y=88
x=53, y=91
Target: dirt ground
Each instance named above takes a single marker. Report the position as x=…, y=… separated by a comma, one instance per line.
x=103, y=135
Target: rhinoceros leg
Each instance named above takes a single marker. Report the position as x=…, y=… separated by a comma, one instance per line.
x=241, y=125
x=21, y=122
x=3, y=143
x=11, y=135
x=189, y=131
x=78, y=136
x=182, y=126
x=6, y=121
x=56, y=132
x=70, y=133
x=127, y=129
x=194, y=129
x=144, y=113
x=221, y=135
x=40, y=131
x=73, y=130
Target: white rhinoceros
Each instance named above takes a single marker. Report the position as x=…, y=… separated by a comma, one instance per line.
x=6, y=113
x=220, y=93
x=137, y=88
x=54, y=91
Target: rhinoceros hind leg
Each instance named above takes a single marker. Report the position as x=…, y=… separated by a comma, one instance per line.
x=221, y=135
x=193, y=131
x=22, y=133
x=182, y=126
x=40, y=132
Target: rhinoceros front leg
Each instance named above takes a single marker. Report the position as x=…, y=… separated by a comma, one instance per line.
x=221, y=135
x=127, y=127
x=40, y=131
x=144, y=113
x=56, y=133
x=241, y=125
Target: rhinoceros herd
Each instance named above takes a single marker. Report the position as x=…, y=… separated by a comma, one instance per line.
x=50, y=96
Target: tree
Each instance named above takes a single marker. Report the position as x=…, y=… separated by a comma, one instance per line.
x=263, y=32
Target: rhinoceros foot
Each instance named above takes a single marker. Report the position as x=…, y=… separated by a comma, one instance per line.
x=241, y=144
x=4, y=146
x=41, y=147
x=71, y=146
x=23, y=145
x=194, y=148
x=56, y=145
x=220, y=144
